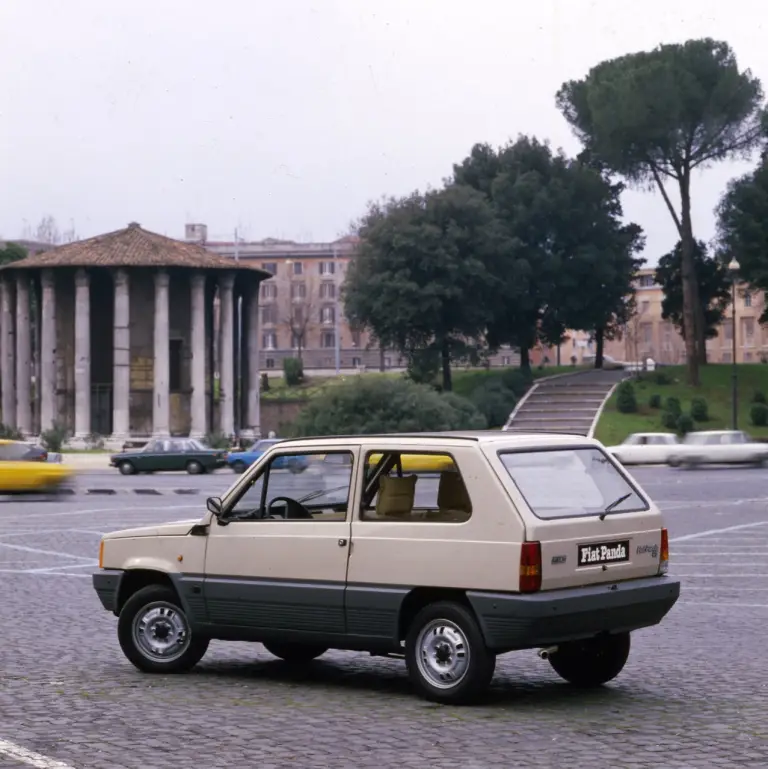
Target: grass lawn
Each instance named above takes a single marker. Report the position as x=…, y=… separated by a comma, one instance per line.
x=464, y=381
x=715, y=388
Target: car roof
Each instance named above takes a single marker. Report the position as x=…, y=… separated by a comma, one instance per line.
x=455, y=437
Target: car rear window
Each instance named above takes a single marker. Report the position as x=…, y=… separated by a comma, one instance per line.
x=571, y=482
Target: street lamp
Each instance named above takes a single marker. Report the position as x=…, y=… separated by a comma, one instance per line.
x=733, y=269
x=336, y=323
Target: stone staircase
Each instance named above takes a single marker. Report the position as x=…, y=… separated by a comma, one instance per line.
x=567, y=404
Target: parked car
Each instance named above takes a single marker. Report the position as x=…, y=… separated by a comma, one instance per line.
x=168, y=455
x=528, y=542
x=240, y=461
x=24, y=471
x=718, y=447
x=645, y=448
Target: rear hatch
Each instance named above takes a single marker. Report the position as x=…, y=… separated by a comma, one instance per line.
x=593, y=521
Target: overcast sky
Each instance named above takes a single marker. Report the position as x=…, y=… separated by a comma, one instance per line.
x=283, y=117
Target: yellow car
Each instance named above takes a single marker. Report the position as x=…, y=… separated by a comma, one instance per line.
x=421, y=463
x=22, y=471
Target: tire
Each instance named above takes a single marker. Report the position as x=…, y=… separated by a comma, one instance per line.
x=194, y=467
x=448, y=629
x=238, y=466
x=126, y=467
x=296, y=653
x=588, y=664
x=158, y=608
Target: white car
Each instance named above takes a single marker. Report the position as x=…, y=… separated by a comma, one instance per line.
x=719, y=447
x=645, y=448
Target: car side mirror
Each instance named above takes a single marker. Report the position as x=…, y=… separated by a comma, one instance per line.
x=214, y=506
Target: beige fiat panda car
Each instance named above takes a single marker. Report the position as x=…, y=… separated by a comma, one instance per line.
x=444, y=549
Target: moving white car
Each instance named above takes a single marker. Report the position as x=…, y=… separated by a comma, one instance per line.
x=719, y=447
x=645, y=448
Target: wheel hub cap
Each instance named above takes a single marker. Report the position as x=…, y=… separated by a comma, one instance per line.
x=160, y=632
x=442, y=654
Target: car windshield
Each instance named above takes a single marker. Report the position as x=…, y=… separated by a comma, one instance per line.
x=571, y=482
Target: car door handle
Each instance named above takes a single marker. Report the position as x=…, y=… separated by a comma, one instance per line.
x=342, y=543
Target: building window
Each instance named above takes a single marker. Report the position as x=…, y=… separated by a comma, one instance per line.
x=269, y=267
x=728, y=330
x=296, y=341
x=645, y=308
x=356, y=339
x=647, y=333
x=298, y=268
x=645, y=281
x=270, y=362
x=327, y=314
x=327, y=268
x=269, y=290
x=299, y=291
x=327, y=290
x=726, y=357
x=176, y=351
x=356, y=362
x=749, y=332
x=298, y=315
x=747, y=299
x=506, y=360
x=327, y=339
x=268, y=314
x=269, y=340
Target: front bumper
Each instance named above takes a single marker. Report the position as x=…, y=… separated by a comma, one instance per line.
x=107, y=584
x=512, y=621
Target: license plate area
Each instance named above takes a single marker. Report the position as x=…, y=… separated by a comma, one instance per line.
x=601, y=553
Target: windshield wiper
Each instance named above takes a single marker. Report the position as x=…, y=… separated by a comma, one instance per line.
x=322, y=492
x=614, y=504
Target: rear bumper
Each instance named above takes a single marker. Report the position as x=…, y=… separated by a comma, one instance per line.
x=515, y=621
x=107, y=584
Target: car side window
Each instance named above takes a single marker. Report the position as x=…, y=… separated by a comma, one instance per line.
x=414, y=487
x=12, y=452
x=297, y=487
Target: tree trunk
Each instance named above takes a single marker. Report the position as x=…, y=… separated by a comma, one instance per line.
x=701, y=339
x=381, y=358
x=690, y=284
x=525, y=358
x=599, y=346
x=445, y=356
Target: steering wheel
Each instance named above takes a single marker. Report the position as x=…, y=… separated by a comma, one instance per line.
x=293, y=509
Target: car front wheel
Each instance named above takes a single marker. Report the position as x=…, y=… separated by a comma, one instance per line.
x=127, y=468
x=238, y=466
x=195, y=468
x=155, y=634
x=446, y=654
x=591, y=663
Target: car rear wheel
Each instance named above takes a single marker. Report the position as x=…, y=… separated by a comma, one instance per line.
x=591, y=663
x=127, y=468
x=446, y=654
x=295, y=652
x=155, y=634
x=194, y=467
x=238, y=466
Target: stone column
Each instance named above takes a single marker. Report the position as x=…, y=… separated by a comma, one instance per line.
x=254, y=368
x=82, y=357
x=227, y=364
x=161, y=396
x=121, y=359
x=47, y=384
x=8, y=355
x=198, y=406
x=23, y=356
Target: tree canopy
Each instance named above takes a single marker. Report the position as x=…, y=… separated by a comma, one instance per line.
x=654, y=117
x=11, y=252
x=569, y=260
x=426, y=272
x=714, y=287
x=742, y=218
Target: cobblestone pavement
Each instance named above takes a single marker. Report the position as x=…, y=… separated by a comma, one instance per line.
x=693, y=694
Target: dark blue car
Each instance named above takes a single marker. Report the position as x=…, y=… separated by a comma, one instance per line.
x=240, y=460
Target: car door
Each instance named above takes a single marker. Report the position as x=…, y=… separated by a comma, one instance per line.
x=273, y=567
x=150, y=458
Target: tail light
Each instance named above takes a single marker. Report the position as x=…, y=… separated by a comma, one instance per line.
x=530, y=567
x=101, y=554
x=44, y=456
x=664, y=552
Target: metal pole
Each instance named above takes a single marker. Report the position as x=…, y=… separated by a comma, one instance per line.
x=336, y=324
x=734, y=375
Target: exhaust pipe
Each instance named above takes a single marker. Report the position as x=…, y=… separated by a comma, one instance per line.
x=545, y=654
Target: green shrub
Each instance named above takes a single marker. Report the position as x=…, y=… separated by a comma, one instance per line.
x=699, y=409
x=759, y=397
x=9, y=433
x=381, y=405
x=626, y=401
x=759, y=414
x=423, y=366
x=672, y=405
x=669, y=420
x=217, y=440
x=494, y=401
x=293, y=371
x=469, y=417
x=685, y=424
x=660, y=378
x=265, y=383
x=655, y=401
x=517, y=381
x=54, y=439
